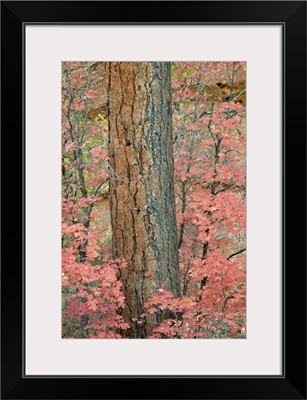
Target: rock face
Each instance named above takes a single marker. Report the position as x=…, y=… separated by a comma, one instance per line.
x=101, y=211
x=99, y=106
x=225, y=89
x=233, y=92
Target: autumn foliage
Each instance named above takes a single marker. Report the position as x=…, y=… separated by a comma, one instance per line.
x=209, y=102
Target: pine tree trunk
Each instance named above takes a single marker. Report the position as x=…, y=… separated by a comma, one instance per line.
x=142, y=199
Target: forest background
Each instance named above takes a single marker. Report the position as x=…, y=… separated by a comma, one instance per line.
x=208, y=144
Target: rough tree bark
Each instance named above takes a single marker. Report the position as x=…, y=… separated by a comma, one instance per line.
x=142, y=199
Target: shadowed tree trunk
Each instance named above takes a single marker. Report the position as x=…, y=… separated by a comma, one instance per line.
x=142, y=200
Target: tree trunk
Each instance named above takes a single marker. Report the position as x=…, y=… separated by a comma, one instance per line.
x=142, y=199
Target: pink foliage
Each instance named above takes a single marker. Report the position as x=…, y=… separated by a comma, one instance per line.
x=209, y=156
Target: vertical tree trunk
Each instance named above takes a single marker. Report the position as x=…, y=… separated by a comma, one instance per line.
x=142, y=199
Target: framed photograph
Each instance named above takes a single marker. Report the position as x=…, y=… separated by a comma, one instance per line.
x=162, y=149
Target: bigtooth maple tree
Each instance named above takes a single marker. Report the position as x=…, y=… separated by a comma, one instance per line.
x=210, y=190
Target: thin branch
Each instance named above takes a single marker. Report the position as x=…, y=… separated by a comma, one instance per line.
x=235, y=254
x=99, y=186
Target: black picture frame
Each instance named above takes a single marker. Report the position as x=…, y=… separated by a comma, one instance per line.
x=292, y=16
